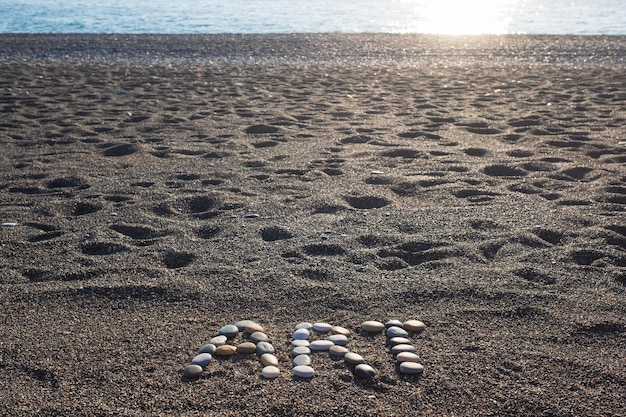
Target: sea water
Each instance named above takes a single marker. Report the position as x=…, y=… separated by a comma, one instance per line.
x=578, y=17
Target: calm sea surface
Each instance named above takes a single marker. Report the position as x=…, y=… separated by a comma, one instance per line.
x=579, y=17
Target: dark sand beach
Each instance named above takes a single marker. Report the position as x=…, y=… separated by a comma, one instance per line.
x=475, y=184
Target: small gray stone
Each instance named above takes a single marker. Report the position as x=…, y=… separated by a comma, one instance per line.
x=399, y=341
x=392, y=323
x=257, y=337
x=296, y=343
x=270, y=372
x=208, y=348
x=322, y=327
x=353, y=358
x=264, y=347
x=402, y=348
x=301, y=360
x=300, y=350
x=229, y=331
x=321, y=345
x=411, y=368
x=218, y=340
x=192, y=371
x=301, y=334
x=304, y=325
x=364, y=371
x=303, y=371
x=339, y=339
x=202, y=359
x=395, y=331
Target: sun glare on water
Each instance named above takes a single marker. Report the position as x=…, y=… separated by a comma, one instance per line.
x=467, y=17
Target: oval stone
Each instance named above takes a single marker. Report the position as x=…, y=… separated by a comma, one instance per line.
x=192, y=371
x=297, y=343
x=340, y=330
x=337, y=351
x=218, y=340
x=253, y=327
x=303, y=371
x=246, y=347
x=257, y=337
x=392, y=323
x=321, y=345
x=395, y=331
x=411, y=368
x=267, y=359
x=399, y=341
x=301, y=360
x=414, y=326
x=225, y=350
x=353, y=358
x=202, y=359
x=300, y=350
x=402, y=348
x=304, y=325
x=407, y=357
x=270, y=372
x=241, y=325
x=372, y=326
x=322, y=327
x=339, y=339
x=229, y=331
x=208, y=348
x=364, y=371
x=301, y=334
x=264, y=347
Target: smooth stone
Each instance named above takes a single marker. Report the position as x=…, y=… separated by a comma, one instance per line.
x=229, y=331
x=321, y=345
x=303, y=371
x=372, y=326
x=270, y=372
x=301, y=334
x=241, y=325
x=414, y=326
x=218, y=340
x=264, y=347
x=339, y=339
x=304, y=325
x=300, y=350
x=257, y=337
x=340, y=330
x=394, y=331
x=407, y=357
x=253, y=327
x=338, y=351
x=297, y=343
x=267, y=359
x=411, y=368
x=9, y=224
x=202, y=359
x=208, y=348
x=322, y=327
x=402, y=348
x=301, y=360
x=246, y=347
x=399, y=341
x=392, y=323
x=364, y=371
x=353, y=358
x=226, y=350
x=192, y=371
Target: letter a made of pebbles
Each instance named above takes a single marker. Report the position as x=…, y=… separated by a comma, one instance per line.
x=372, y=326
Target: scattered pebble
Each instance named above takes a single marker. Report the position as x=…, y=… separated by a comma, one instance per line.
x=372, y=326
x=268, y=359
x=321, y=345
x=302, y=360
x=414, y=326
x=251, y=216
x=303, y=371
x=225, y=350
x=322, y=327
x=364, y=371
x=411, y=368
x=170, y=251
x=202, y=359
x=270, y=372
x=9, y=225
x=192, y=371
